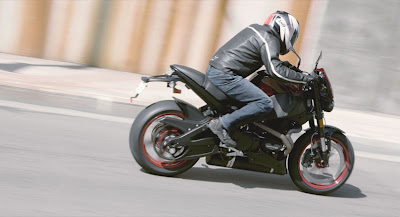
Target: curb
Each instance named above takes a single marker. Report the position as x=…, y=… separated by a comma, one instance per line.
x=74, y=93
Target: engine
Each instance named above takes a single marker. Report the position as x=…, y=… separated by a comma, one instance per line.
x=262, y=150
x=254, y=139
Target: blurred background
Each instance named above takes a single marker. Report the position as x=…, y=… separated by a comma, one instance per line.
x=358, y=37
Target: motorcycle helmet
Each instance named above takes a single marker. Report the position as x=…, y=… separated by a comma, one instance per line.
x=287, y=27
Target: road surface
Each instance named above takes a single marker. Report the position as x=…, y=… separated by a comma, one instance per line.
x=68, y=156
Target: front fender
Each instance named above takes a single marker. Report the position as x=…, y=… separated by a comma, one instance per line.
x=328, y=130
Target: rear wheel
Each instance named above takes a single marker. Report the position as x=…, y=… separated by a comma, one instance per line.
x=147, y=136
x=307, y=171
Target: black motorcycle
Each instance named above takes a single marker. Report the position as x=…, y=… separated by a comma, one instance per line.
x=168, y=137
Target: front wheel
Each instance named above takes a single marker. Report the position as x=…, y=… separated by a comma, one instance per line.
x=147, y=135
x=307, y=171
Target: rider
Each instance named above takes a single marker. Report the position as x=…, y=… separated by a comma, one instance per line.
x=245, y=53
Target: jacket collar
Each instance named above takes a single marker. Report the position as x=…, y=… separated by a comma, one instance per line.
x=271, y=30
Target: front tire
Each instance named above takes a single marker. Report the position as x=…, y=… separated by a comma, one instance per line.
x=147, y=134
x=307, y=172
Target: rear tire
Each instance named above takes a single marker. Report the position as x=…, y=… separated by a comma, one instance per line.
x=315, y=178
x=146, y=135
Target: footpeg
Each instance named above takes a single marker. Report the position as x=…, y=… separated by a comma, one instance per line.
x=233, y=152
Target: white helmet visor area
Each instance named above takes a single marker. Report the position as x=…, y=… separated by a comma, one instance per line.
x=289, y=30
x=294, y=38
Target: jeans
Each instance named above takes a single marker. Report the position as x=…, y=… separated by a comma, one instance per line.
x=240, y=89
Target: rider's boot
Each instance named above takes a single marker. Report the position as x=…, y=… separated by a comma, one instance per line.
x=216, y=127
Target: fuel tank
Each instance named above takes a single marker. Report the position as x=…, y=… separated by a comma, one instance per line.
x=287, y=97
x=272, y=86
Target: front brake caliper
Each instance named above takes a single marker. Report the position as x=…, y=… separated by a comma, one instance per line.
x=307, y=159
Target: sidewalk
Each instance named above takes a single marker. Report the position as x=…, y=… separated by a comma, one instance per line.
x=104, y=84
x=80, y=80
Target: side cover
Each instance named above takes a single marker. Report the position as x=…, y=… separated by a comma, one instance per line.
x=286, y=105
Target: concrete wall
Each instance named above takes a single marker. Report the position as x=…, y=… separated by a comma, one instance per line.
x=130, y=35
x=359, y=39
x=141, y=36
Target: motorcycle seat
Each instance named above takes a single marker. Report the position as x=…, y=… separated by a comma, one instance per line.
x=214, y=97
x=201, y=80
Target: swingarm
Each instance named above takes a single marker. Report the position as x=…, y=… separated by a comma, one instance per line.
x=196, y=138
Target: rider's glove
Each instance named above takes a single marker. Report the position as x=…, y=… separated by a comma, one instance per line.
x=311, y=77
x=290, y=66
x=286, y=63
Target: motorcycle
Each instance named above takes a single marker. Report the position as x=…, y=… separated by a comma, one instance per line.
x=168, y=137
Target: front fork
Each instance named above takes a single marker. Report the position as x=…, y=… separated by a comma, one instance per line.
x=319, y=116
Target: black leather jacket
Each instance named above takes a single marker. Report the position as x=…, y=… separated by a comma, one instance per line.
x=251, y=48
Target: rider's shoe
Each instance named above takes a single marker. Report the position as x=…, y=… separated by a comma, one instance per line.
x=216, y=127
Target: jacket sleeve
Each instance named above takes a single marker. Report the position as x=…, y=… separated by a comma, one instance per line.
x=277, y=68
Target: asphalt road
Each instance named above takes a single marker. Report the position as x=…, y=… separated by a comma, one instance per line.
x=67, y=156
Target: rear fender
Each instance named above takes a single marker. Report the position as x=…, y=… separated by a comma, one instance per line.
x=193, y=117
x=197, y=137
x=190, y=112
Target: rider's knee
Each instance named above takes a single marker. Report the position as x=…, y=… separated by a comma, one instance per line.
x=266, y=104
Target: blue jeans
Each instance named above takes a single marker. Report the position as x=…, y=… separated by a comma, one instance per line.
x=242, y=90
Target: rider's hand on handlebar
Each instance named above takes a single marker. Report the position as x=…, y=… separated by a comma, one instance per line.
x=313, y=78
x=290, y=66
